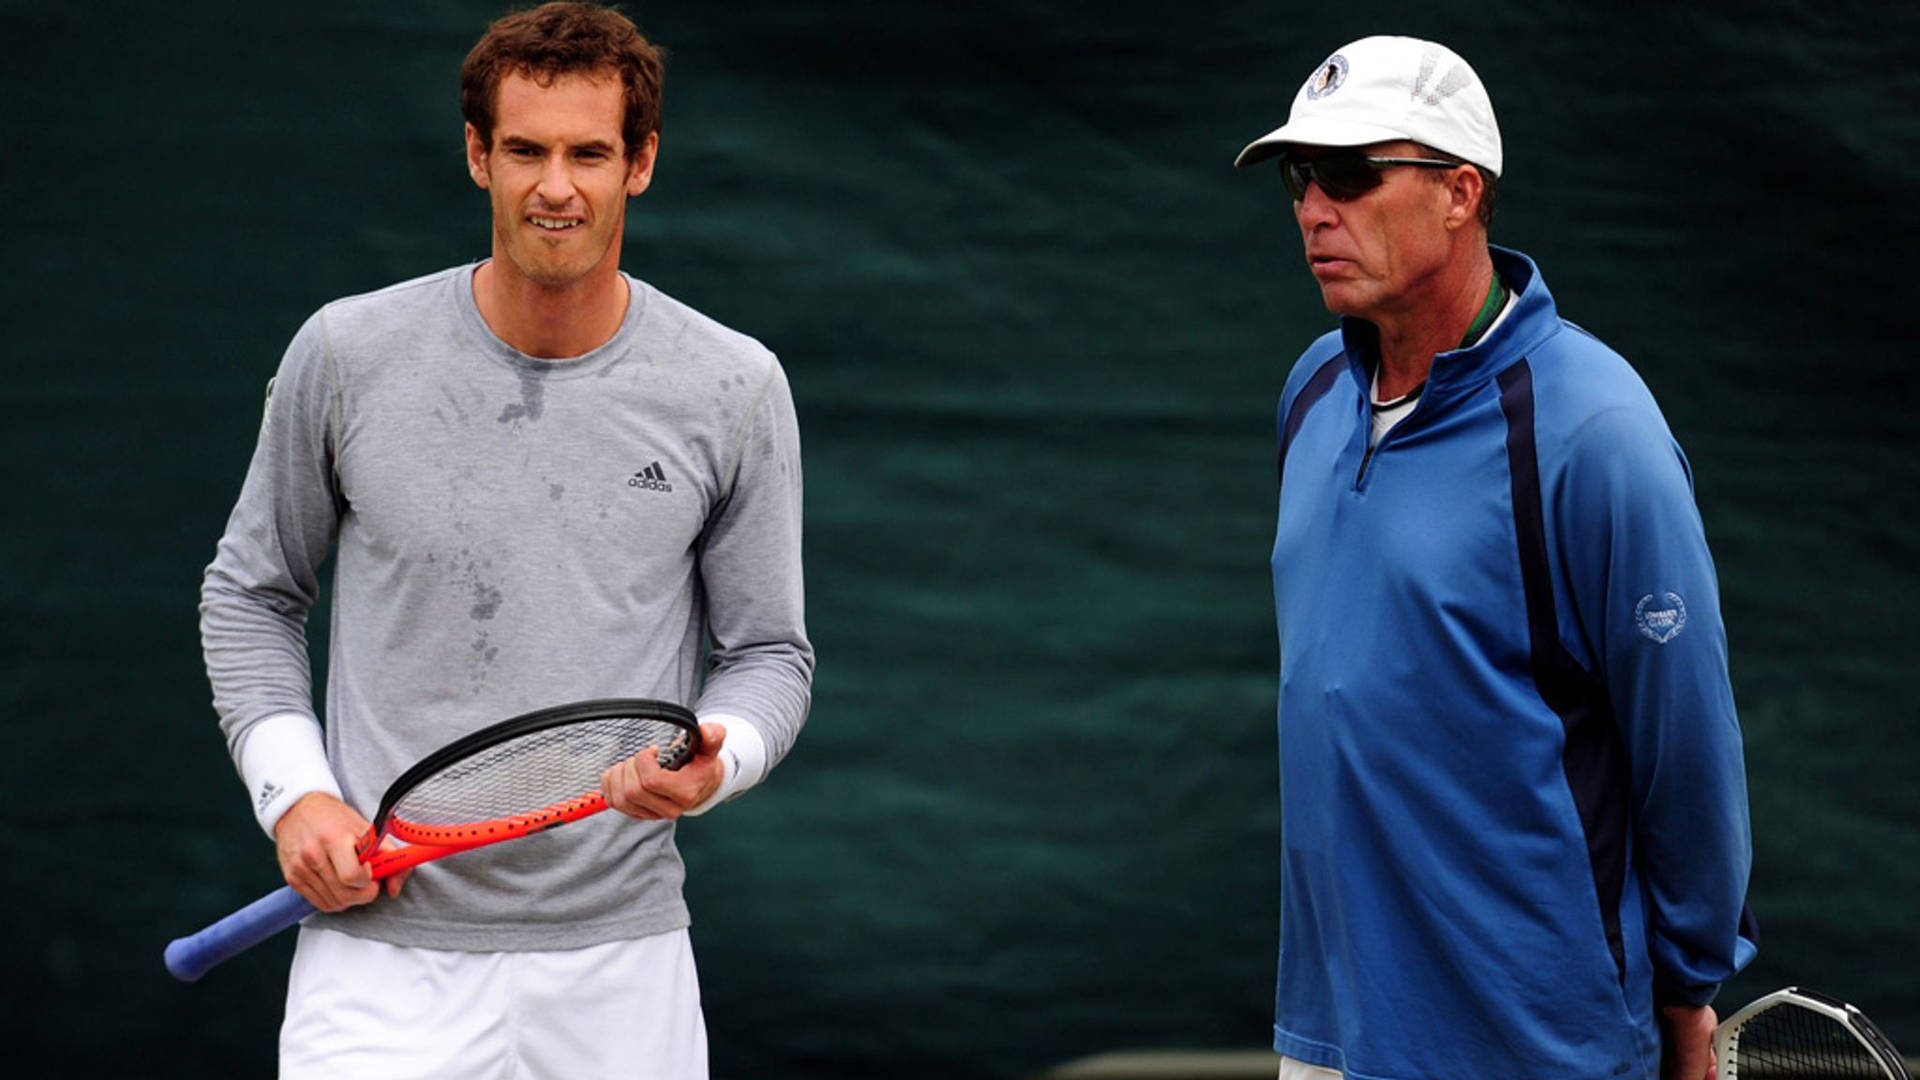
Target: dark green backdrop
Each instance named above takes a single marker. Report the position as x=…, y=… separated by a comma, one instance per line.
x=1035, y=325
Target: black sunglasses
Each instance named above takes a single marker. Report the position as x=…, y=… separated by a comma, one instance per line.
x=1344, y=176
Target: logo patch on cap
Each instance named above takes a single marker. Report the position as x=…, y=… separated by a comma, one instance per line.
x=1329, y=78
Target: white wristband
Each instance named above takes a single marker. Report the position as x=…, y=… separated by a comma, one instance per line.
x=281, y=759
x=743, y=756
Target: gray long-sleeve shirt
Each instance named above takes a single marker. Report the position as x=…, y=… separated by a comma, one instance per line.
x=514, y=533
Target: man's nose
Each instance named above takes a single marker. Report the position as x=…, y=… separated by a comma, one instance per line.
x=556, y=180
x=1315, y=208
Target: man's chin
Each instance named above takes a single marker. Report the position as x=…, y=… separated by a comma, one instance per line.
x=551, y=274
x=1344, y=298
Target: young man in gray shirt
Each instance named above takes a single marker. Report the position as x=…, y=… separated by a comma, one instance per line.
x=545, y=481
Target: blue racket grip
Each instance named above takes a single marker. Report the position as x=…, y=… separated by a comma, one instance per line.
x=192, y=956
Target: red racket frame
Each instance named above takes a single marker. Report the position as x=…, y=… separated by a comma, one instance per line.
x=425, y=843
x=190, y=957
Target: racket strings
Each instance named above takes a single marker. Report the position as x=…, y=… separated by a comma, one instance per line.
x=532, y=771
x=1798, y=1044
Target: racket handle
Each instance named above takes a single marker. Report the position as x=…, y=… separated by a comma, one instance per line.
x=192, y=956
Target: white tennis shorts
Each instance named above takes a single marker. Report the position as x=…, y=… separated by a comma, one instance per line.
x=366, y=1010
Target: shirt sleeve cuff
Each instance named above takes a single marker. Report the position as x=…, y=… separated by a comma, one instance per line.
x=282, y=758
x=743, y=758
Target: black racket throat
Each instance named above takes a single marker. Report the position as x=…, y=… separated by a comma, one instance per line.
x=527, y=724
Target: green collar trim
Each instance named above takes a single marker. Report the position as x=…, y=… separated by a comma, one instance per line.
x=1489, y=311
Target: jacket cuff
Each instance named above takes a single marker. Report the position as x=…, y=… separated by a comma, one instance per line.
x=1667, y=991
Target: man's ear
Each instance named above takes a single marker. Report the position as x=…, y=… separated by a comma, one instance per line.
x=477, y=157
x=1465, y=188
x=640, y=167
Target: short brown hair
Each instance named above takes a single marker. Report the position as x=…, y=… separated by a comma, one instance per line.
x=565, y=38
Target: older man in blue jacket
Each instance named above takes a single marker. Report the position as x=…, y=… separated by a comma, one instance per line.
x=1514, y=806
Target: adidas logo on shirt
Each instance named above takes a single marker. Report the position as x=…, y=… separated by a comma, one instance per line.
x=650, y=478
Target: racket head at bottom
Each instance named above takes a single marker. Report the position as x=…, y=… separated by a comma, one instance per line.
x=1798, y=1034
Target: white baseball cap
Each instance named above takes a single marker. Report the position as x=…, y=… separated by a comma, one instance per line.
x=1380, y=89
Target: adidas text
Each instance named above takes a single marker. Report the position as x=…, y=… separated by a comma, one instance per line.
x=651, y=478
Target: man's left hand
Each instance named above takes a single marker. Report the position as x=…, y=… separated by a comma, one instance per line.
x=639, y=787
x=1687, y=1032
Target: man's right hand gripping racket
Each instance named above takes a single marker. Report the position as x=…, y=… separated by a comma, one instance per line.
x=1796, y=1034
x=513, y=779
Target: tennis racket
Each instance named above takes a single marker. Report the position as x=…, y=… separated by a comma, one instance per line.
x=513, y=779
x=1796, y=1034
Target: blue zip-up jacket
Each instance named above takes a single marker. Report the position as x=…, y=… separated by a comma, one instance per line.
x=1514, y=810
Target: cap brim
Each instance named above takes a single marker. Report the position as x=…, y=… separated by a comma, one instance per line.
x=1314, y=132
